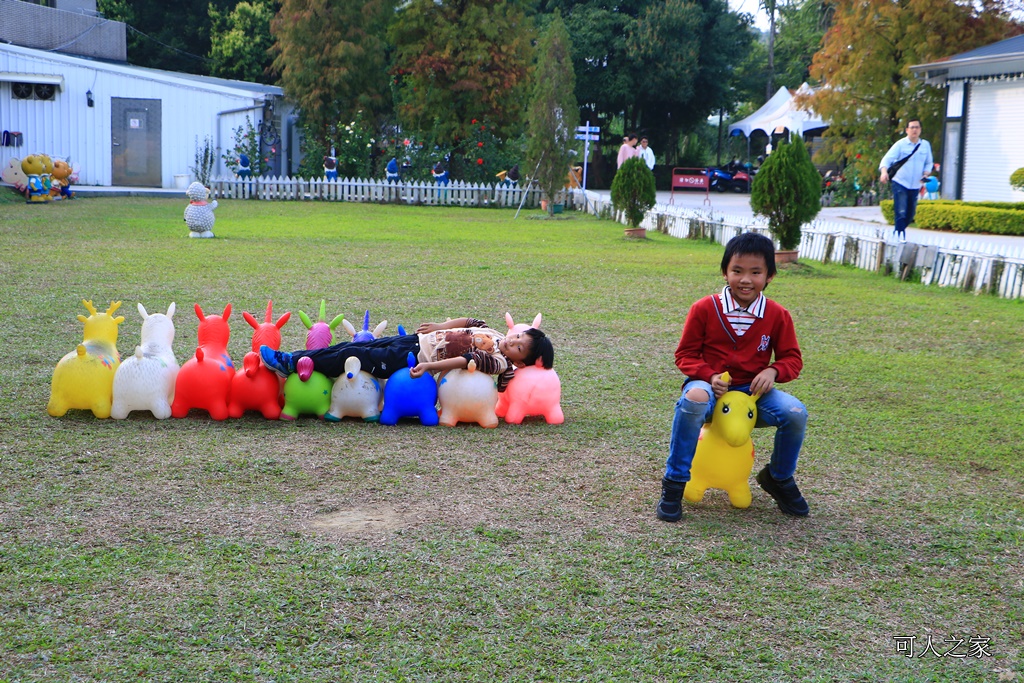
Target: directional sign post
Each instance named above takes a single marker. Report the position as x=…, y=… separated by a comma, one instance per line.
x=588, y=134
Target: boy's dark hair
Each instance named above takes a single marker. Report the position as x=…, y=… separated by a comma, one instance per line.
x=632, y=136
x=750, y=243
x=540, y=347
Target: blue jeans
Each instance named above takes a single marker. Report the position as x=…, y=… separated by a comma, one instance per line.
x=904, y=205
x=774, y=409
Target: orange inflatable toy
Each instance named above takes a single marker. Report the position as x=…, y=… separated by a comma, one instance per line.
x=205, y=380
x=254, y=387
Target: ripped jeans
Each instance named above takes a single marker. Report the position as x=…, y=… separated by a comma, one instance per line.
x=774, y=409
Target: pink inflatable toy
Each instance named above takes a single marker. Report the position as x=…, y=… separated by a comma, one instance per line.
x=467, y=396
x=254, y=387
x=84, y=378
x=533, y=390
x=204, y=381
x=321, y=333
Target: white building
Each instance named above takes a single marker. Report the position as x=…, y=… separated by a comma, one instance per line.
x=982, y=144
x=121, y=124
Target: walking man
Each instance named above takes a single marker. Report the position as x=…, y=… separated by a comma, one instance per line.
x=906, y=164
x=646, y=153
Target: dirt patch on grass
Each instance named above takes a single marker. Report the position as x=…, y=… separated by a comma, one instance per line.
x=365, y=520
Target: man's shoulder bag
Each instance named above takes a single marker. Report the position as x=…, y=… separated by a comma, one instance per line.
x=899, y=164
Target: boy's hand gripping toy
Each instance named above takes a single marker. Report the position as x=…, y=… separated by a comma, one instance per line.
x=145, y=380
x=725, y=451
x=84, y=378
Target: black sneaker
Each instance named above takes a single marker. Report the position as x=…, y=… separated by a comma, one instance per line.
x=785, y=493
x=278, y=361
x=670, y=507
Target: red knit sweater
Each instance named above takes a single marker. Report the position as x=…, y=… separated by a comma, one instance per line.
x=710, y=346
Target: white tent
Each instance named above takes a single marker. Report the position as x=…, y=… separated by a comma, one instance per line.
x=779, y=112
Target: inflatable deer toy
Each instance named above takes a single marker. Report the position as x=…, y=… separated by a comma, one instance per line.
x=205, y=380
x=254, y=387
x=84, y=378
x=145, y=380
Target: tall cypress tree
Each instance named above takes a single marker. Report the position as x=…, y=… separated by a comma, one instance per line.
x=553, y=113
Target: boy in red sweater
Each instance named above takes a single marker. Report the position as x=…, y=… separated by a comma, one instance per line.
x=738, y=331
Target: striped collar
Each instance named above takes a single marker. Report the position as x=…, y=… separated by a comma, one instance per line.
x=755, y=309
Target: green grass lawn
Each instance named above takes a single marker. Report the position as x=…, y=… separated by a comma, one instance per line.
x=248, y=550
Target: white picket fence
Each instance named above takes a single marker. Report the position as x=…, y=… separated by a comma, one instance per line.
x=960, y=261
x=455, y=193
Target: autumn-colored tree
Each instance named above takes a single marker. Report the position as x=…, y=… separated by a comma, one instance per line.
x=868, y=91
x=330, y=56
x=461, y=60
x=553, y=113
x=240, y=40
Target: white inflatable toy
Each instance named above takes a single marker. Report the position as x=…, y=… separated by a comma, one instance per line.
x=357, y=393
x=145, y=381
x=467, y=396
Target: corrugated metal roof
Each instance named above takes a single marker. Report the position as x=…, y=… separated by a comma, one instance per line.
x=1010, y=46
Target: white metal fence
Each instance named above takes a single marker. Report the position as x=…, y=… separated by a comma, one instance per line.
x=455, y=193
x=966, y=263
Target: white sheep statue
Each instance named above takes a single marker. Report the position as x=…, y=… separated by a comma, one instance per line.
x=199, y=213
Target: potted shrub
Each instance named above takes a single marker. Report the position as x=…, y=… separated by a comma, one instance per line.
x=787, y=191
x=634, y=194
x=1017, y=180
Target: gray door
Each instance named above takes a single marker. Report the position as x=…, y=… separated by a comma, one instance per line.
x=135, y=141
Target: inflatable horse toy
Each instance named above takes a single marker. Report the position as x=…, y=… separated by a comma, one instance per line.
x=84, y=378
x=357, y=393
x=534, y=390
x=321, y=333
x=307, y=391
x=725, y=451
x=365, y=334
x=254, y=387
x=204, y=381
x=145, y=380
x=408, y=396
x=467, y=396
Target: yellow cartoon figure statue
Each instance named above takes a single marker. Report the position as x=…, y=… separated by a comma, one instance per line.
x=84, y=378
x=725, y=451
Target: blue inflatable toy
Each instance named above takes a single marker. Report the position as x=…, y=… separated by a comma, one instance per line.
x=408, y=396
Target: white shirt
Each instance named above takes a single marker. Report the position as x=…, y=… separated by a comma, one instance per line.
x=910, y=174
x=647, y=154
x=741, y=318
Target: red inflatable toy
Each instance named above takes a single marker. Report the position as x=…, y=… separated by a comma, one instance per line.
x=205, y=380
x=254, y=387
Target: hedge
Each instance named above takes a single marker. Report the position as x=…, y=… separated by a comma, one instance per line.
x=997, y=218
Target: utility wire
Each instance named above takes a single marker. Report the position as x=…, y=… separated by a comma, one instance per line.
x=169, y=47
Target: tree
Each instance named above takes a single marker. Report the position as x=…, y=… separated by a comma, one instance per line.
x=662, y=66
x=864, y=64
x=802, y=27
x=167, y=35
x=330, y=56
x=633, y=190
x=787, y=190
x=240, y=41
x=460, y=60
x=553, y=113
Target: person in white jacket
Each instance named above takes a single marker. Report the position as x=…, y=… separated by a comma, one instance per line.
x=646, y=153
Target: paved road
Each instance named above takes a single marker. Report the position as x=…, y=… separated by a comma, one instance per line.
x=864, y=216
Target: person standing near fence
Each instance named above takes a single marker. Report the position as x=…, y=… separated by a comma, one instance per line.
x=646, y=153
x=906, y=164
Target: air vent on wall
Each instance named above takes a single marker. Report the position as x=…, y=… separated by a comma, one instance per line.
x=21, y=91
x=44, y=91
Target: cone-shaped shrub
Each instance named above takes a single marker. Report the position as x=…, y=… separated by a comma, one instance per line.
x=787, y=191
x=633, y=190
